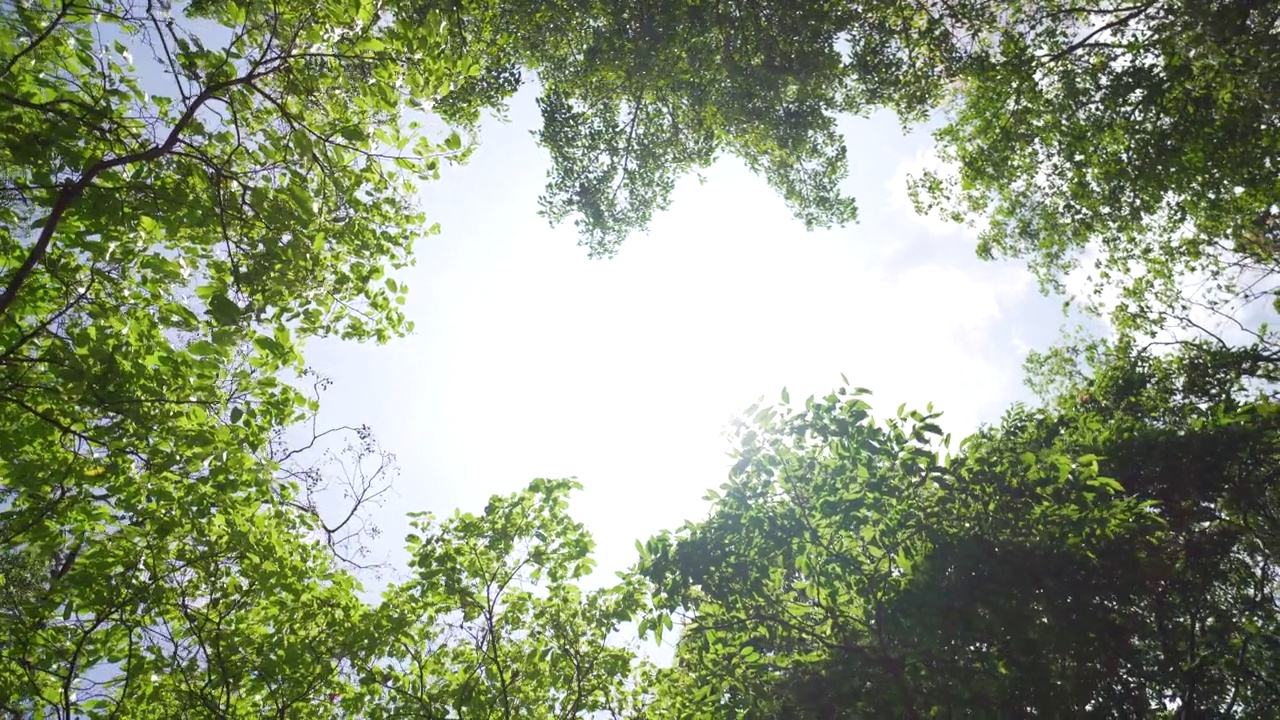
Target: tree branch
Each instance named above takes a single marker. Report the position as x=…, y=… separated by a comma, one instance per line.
x=72, y=192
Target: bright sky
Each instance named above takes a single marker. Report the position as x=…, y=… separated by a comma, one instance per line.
x=530, y=360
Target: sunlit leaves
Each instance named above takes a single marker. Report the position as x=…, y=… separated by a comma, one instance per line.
x=187, y=194
x=1062, y=560
x=1144, y=133
x=494, y=622
x=634, y=97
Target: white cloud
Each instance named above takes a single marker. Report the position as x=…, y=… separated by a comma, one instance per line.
x=953, y=298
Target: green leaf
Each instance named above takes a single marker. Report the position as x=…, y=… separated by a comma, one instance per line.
x=1109, y=483
x=204, y=348
x=223, y=310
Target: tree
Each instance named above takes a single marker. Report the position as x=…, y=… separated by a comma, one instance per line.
x=636, y=95
x=1144, y=131
x=494, y=624
x=238, y=619
x=183, y=595
x=1195, y=433
x=1070, y=124
x=172, y=227
x=1111, y=555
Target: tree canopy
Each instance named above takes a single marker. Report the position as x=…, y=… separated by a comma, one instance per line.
x=189, y=192
x=1112, y=554
x=1144, y=132
x=1138, y=139
x=186, y=195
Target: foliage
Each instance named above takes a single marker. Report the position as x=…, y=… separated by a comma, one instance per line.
x=494, y=623
x=186, y=195
x=205, y=613
x=1145, y=132
x=1111, y=556
x=636, y=95
x=245, y=622
x=1147, y=129
x=1196, y=433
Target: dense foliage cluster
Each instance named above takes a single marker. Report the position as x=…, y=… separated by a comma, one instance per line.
x=189, y=191
x=1112, y=554
x=1140, y=138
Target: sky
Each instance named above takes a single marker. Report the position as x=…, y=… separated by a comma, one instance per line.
x=530, y=360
